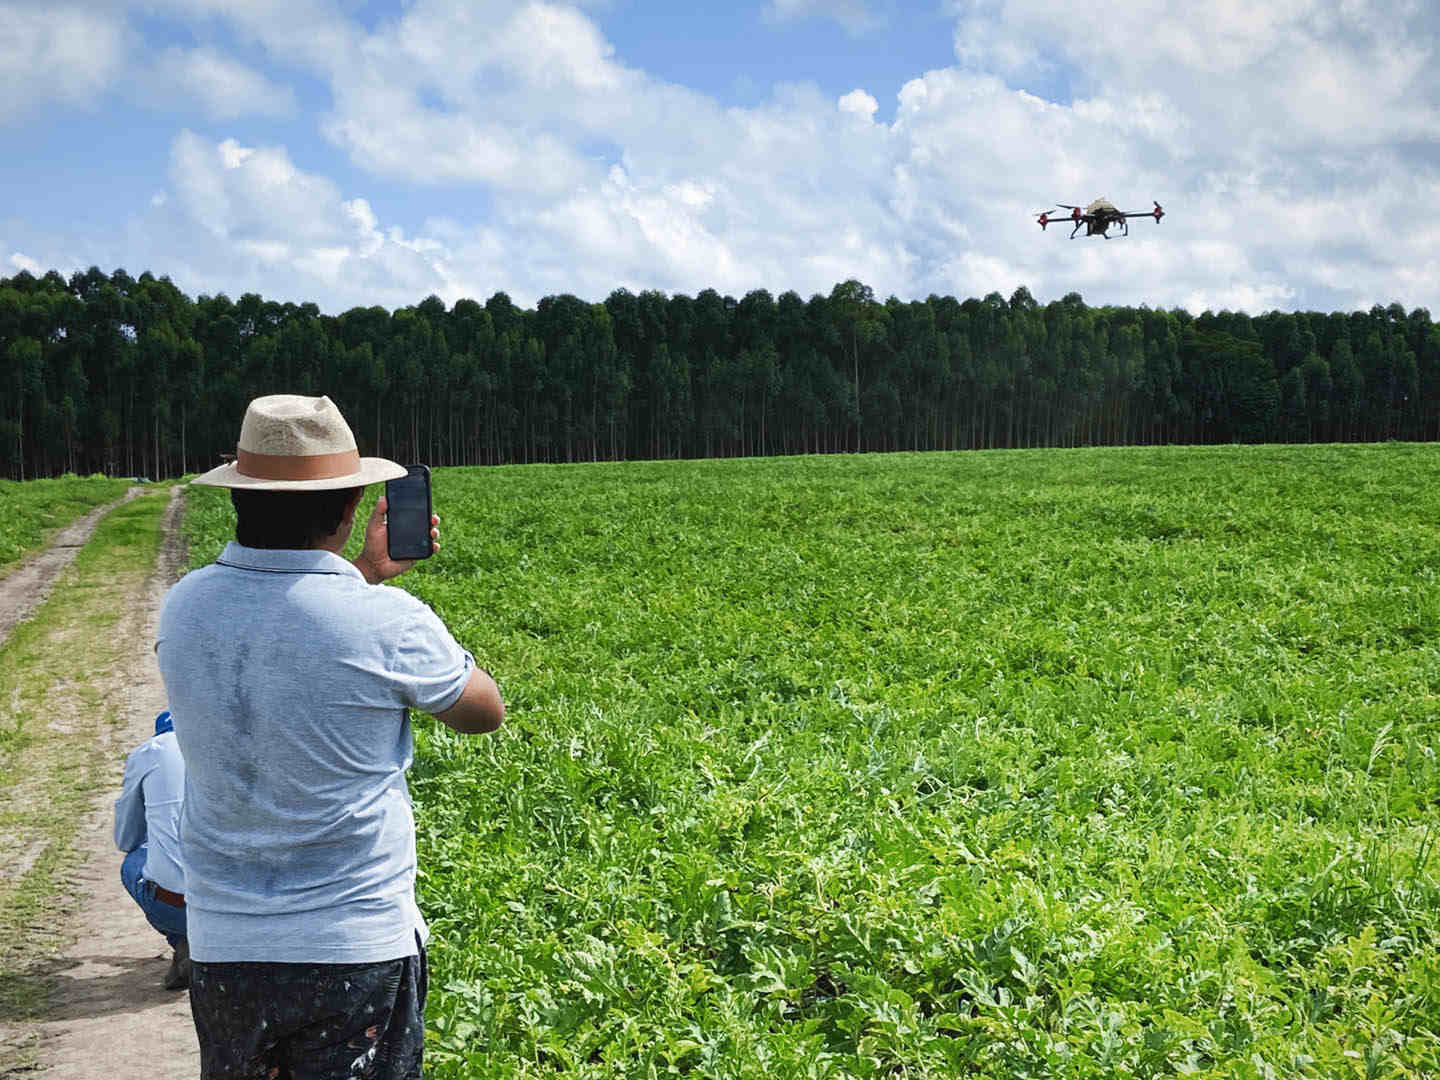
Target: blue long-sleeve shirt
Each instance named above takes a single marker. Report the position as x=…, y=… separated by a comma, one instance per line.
x=148, y=809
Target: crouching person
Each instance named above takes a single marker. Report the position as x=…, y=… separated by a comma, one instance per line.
x=147, y=829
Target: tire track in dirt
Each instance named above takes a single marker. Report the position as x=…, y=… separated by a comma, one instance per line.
x=24, y=589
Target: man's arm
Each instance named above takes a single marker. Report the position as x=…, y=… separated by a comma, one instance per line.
x=479, y=708
x=130, y=806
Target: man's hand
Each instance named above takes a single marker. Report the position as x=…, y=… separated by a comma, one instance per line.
x=374, y=559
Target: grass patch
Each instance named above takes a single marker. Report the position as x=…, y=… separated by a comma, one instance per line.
x=1082, y=763
x=62, y=684
x=36, y=509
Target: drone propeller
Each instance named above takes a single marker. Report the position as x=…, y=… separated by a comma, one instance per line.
x=1157, y=213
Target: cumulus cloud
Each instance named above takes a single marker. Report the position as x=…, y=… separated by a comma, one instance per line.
x=533, y=103
x=1282, y=74
x=529, y=99
x=73, y=53
x=984, y=43
x=1286, y=140
x=600, y=175
x=394, y=134
x=319, y=35
x=219, y=85
x=288, y=232
x=57, y=52
x=859, y=103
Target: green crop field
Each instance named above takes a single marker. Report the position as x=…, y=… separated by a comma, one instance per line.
x=1052, y=763
x=32, y=511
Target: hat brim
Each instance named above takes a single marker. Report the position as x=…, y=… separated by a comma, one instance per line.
x=372, y=471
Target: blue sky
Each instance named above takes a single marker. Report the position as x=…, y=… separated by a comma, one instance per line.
x=738, y=54
x=350, y=153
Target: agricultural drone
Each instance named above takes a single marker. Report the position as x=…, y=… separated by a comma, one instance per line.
x=1097, y=217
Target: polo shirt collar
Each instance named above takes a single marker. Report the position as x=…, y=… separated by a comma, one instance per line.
x=286, y=561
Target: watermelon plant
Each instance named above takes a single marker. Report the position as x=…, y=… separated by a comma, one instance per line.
x=1048, y=763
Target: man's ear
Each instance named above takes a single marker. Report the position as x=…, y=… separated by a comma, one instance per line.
x=349, y=516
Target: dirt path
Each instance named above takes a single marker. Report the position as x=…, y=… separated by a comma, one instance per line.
x=25, y=589
x=108, y=1017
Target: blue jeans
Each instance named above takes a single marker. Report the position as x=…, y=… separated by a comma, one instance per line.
x=166, y=918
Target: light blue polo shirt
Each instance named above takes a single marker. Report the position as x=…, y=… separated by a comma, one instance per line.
x=290, y=679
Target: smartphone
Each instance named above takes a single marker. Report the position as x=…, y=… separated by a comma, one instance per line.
x=407, y=514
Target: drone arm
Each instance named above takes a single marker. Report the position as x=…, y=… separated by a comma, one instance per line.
x=1157, y=213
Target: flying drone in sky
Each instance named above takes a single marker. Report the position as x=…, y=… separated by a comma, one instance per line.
x=1099, y=216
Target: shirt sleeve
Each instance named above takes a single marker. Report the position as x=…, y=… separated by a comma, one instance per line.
x=130, y=806
x=430, y=666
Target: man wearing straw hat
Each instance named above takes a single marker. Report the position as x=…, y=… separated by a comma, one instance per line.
x=291, y=676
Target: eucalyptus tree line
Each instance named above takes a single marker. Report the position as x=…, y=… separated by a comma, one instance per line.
x=128, y=376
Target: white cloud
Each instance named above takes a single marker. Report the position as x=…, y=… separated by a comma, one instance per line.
x=370, y=240
x=391, y=133
x=529, y=99
x=984, y=43
x=23, y=262
x=76, y=52
x=854, y=15
x=314, y=34
x=222, y=87
x=600, y=176
x=57, y=52
x=1290, y=142
x=859, y=103
x=550, y=47
x=284, y=231
x=645, y=232
x=233, y=155
x=1276, y=75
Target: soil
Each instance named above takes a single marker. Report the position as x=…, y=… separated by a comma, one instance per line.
x=107, y=1016
x=26, y=588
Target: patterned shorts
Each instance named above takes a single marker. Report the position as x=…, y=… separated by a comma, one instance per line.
x=310, y=1021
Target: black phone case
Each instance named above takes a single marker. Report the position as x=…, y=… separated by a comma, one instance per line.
x=408, y=535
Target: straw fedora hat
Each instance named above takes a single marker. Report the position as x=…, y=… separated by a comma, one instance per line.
x=294, y=443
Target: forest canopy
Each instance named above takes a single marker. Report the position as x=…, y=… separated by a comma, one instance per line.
x=129, y=376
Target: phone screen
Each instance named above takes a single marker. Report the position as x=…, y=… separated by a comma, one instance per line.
x=407, y=514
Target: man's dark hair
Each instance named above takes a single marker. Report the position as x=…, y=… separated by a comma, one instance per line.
x=288, y=520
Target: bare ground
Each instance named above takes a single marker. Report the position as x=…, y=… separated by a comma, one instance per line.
x=105, y=1015
x=25, y=589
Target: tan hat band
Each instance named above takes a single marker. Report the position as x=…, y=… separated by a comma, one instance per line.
x=297, y=467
